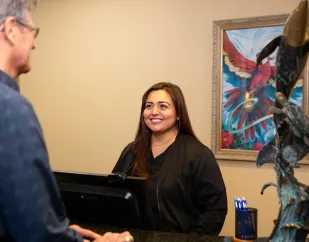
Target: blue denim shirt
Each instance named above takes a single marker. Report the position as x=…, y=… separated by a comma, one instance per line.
x=31, y=209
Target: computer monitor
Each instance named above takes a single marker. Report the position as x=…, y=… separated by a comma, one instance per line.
x=113, y=200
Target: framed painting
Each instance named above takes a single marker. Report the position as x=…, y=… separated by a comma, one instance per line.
x=243, y=94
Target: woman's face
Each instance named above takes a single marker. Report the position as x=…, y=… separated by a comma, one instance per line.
x=160, y=113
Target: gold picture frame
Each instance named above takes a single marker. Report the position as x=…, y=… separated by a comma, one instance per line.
x=245, y=32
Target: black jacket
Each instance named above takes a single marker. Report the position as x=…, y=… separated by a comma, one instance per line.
x=186, y=191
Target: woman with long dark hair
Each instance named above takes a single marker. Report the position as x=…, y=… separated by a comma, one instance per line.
x=186, y=191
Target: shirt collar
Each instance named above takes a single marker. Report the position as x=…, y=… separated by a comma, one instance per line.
x=7, y=80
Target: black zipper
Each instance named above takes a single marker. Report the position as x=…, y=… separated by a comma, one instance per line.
x=158, y=202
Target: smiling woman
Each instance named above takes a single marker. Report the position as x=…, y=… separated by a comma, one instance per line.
x=161, y=118
x=186, y=191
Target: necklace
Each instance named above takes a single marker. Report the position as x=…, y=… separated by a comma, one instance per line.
x=163, y=143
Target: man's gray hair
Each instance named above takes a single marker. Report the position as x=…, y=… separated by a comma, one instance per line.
x=15, y=8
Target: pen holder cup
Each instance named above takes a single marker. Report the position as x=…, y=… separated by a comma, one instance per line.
x=246, y=224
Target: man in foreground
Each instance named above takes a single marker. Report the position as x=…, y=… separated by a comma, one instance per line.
x=30, y=204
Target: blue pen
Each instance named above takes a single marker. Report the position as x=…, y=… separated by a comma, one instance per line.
x=244, y=203
x=236, y=203
x=239, y=204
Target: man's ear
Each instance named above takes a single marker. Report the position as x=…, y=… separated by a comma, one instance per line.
x=10, y=29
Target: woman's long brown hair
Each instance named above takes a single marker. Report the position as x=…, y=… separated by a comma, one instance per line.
x=142, y=142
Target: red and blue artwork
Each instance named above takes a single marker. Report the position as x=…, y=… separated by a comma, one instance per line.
x=248, y=91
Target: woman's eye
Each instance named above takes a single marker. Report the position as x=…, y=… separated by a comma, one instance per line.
x=163, y=106
x=148, y=106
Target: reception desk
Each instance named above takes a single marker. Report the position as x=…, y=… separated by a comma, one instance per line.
x=156, y=236
x=85, y=197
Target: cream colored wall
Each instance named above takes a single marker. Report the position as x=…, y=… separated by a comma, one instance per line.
x=95, y=58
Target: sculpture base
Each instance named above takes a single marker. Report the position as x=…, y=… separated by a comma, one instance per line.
x=240, y=240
